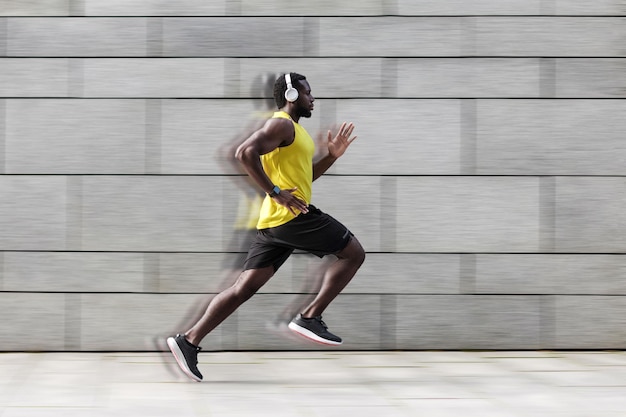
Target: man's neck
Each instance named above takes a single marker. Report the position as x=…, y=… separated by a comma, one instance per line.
x=291, y=114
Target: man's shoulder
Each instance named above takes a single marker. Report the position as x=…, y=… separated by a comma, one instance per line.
x=278, y=123
x=280, y=128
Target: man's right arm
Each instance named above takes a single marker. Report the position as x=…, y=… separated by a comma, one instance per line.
x=275, y=133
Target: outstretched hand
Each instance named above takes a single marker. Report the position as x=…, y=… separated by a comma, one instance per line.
x=338, y=144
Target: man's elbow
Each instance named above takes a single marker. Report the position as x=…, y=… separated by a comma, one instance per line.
x=240, y=153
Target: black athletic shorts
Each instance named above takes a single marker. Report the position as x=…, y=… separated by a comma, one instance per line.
x=315, y=232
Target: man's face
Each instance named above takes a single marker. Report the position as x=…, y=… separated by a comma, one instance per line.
x=305, y=99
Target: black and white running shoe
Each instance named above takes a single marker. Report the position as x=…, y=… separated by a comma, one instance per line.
x=186, y=356
x=314, y=329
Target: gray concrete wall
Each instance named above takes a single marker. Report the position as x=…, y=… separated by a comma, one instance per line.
x=487, y=184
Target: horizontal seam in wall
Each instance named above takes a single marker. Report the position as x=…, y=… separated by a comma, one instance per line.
x=344, y=57
x=425, y=98
x=343, y=294
x=304, y=253
x=352, y=16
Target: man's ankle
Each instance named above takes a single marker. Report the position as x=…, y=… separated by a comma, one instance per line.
x=192, y=341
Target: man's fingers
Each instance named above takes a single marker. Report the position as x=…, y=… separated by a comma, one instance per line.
x=300, y=207
x=345, y=131
x=349, y=130
x=296, y=203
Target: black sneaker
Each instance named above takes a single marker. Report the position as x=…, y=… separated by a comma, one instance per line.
x=186, y=355
x=314, y=329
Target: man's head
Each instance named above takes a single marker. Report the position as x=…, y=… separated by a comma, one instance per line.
x=299, y=83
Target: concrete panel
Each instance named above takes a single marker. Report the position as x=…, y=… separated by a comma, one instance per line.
x=154, y=8
x=200, y=136
x=590, y=215
x=244, y=7
x=550, y=274
x=212, y=273
x=468, y=322
x=134, y=322
x=318, y=8
x=154, y=77
x=286, y=8
x=301, y=275
x=258, y=329
x=355, y=202
x=461, y=7
x=151, y=214
x=57, y=136
x=224, y=37
x=261, y=324
x=366, y=310
x=307, y=272
x=465, y=214
x=196, y=272
x=32, y=213
x=328, y=77
x=391, y=36
x=550, y=36
x=403, y=273
x=42, y=37
x=590, y=322
x=468, y=77
x=593, y=78
x=406, y=137
x=73, y=272
x=241, y=204
x=551, y=137
x=588, y=8
x=3, y=36
x=32, y=322
x=34, y=8
x=26, y=77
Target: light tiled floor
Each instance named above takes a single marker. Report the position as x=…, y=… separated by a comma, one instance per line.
x=311, y=384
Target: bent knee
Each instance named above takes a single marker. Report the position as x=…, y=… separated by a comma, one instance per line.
x=354, y=252
x=360, y=256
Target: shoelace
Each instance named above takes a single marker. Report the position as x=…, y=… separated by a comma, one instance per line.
x=319, y=319
x=198, y=349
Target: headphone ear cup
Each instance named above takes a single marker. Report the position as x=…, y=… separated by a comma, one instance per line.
x=291, y=94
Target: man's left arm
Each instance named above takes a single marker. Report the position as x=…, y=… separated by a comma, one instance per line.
x=336, y=147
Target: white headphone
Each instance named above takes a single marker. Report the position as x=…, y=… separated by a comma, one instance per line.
x=291, y=94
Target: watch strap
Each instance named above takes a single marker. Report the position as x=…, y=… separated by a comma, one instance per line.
x=275, y=191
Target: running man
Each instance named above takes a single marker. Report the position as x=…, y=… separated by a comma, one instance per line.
x=279, y=159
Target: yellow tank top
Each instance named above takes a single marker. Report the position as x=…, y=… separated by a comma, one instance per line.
x=288, y=167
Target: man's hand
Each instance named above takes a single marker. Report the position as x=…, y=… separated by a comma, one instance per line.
x=288, y=199
x=337, y=145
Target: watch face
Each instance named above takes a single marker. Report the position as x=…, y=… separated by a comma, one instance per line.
x=275, y=191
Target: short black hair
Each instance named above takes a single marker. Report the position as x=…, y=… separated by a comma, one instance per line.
x=280, y=86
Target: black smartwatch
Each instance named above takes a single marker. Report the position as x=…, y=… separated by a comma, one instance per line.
x=275, y=191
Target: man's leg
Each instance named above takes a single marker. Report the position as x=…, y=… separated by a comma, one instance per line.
x=226, y=302
x=309, y=324
x=185, y=347
x=337, y=276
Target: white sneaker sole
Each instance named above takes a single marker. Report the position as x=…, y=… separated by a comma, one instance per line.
x=180, y=359
x=312, y=336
